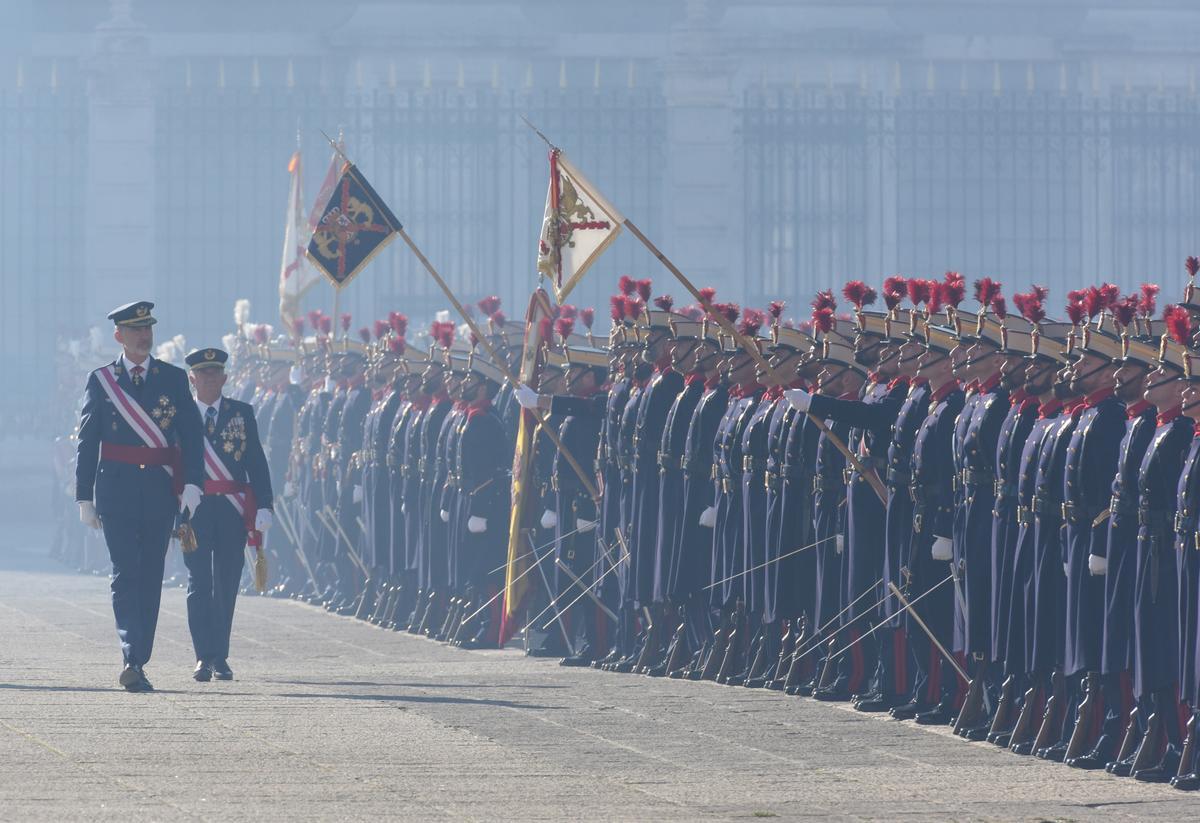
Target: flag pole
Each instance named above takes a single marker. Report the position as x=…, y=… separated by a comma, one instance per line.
x=752, y=349
x=501, y=364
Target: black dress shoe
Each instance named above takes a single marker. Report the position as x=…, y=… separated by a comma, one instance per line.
x=1121, y=768
x=937, y=716
x=1167, y=768
x=203, y=672
x=1023, y=748
x=908, y=711
x=1186, y=782
x=1088, y=762
x=1055, y=753
x=578, y=661
x=878, y=703
x=130, y=677
x=832, y=694
x=221, y=670
x=976, y=733
x=1001, y=739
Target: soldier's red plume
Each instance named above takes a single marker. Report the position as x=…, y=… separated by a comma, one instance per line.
x=298, y=327
x=1179, y=324
x=567, y=310
x=627, y=285
x=364, y=334
x=1075, y=312
x=752, y=322
x=346, y=318
x=314, y=319
x=1040, y=292
x=775, y=309
x=894, y=289
x=1148, y=302
x=986, y=290
x=999, y=307
x=588, y=316
x=396, y=345
x=1099, y=298
x=326, y=323
x=616, y=308
x=822, y=320
x=1193, y=266
x=858, y=293
x=545, y=327
x=954, y=288
x=498, y=319
x=918, y=290
x=398, y=322
x=936, y=298
x=730, y=310
x=381, y=328
x=1031, y=304
x=1124, y=311
x=708, y=293
x=261, y=335
x=564, y=326
x=489, y=305
x=643, y=289
x=633, y=308
x=664, y=302
x=825, y=300
x=443, y=334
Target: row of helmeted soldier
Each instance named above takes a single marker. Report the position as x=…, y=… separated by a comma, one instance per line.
x=983, y=518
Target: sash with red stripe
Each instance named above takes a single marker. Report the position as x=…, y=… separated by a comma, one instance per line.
x=219, y=480
x=157, y=451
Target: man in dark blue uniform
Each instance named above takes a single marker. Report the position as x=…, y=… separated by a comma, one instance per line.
x=236, y=509
x=140, y=461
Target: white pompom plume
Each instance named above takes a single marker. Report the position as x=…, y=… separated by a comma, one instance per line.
x=241, y=312
x=443, y=316
x=229, y=341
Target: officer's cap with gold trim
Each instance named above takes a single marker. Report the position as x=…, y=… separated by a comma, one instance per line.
x=209, y=358
x=133, y=314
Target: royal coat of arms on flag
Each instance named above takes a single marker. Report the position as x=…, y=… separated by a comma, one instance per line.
x=578, y=225
x=355, y=226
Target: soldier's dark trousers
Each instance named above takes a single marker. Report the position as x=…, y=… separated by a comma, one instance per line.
x=214, y=573
x=137, y=546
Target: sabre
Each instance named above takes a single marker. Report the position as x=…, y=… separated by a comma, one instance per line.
x=336, y=533
x=586, y=592
x=871, y=630
x=554, y=600
x=908, y=607
x=358, y=561
x=286, y=519
x=550, y=593
x=817, y=639
x=500, y=593
x=586, y=589
x=769, y=562
x=534, y=551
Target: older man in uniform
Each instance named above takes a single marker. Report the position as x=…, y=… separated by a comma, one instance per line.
x=139, y=462
x=236, y=509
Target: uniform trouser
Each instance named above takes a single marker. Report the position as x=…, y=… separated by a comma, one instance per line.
x=214, y=572
x=137, y=547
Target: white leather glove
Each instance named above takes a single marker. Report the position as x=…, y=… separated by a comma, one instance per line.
x=799, y=398
x=87, y=514
x=1065, y=570
x=263, y=520
x=329, y=385
x=404, y=508
x=943, y=548
x=1097, y=565
x=289, y=488
x=839, y=543
x=295, y=375
x=549, y=519
x=526, y=396
x=708, y=517
x=476, y=525
x=189, y=501
x=445, y=515
x=585, y=525
x=356, y=495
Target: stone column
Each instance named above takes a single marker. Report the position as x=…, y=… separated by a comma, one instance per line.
x=119, y=238
x=702, y=202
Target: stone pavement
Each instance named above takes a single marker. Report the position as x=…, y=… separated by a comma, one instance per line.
x=333, y=719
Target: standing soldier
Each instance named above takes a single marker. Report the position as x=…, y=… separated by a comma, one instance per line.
x=236, y=509
x=140, y=445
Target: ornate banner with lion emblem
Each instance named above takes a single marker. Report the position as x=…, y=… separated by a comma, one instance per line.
x=578, y=226
x=355, y=226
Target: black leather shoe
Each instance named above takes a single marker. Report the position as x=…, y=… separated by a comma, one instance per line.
x=1186, y=782
x=1023, y=748
x=203, y=672
x=876, y=703
x=1167, y=768
x=832, y=694
x=1088, y=762
x=1001, y=739
x=221, y=670
x=578, y=661
x=1120, y=768
x=1055, y=753
x=130, y=677
x=937, y=716
x=908, y=711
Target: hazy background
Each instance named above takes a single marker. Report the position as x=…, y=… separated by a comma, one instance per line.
x=769, y=147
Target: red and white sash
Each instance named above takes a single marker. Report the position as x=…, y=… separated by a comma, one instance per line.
x=243, y=502
x=132, y=412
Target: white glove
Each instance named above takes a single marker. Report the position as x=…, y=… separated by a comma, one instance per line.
x=403, y=508
x=87, y=514
x=549, y=519
x=295, y=375
x=585, y=525
x=476, y=525
x=526, y=396
x=329, y=385
x=1097, y=565
x=799, y=398
x=189, y=501
x=943, y=548
x=1065, y=572
x=263, y=520
x=356, y=495
x=708, y=517
x=289, y=488
x=839, y=543
x=445, y=515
